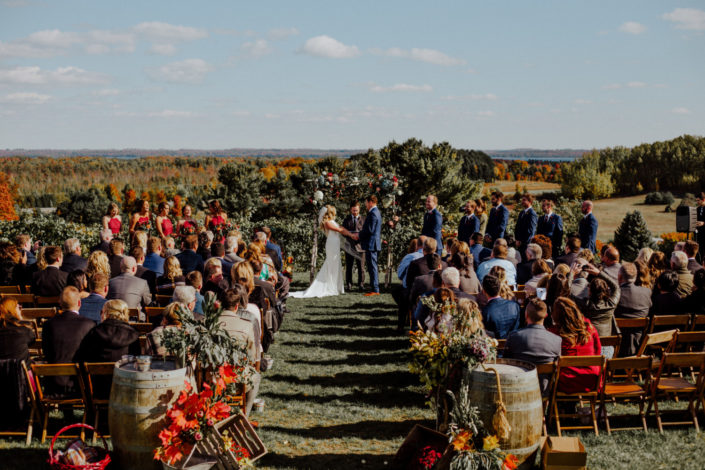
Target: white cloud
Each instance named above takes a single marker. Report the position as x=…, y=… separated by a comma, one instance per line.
x=632, y=27
x=612, y=86
x=278, y=34
x=471, y=97
x=486, y=113
x=172, y=113
x=257, y=48
x=62, y=75
x=163, y=49
x=53, y=42
x=680, y=110
x=402, y=87
x=326, y=46
x=582, y=101
x=53, y=38
x=107, y=92
x=185, y=71
x=687, y=18
x=430, y=56
x=26, y=98
x=636, y=85
x=617, y=86
x=165, y=32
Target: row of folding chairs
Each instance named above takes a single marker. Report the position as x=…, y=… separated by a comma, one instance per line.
x=679, y=376
x=682, y=322
x=27, y=299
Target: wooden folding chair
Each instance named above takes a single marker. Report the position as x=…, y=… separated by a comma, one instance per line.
x=669, y=382
x=669, y=322
x=689, y=341
x=100, y=374
x=142, y=327
x=27, y=290
x=39, y=313
x=163, y=300
x=32, y=416
x=697, y=323
x=635, y=323
x=35, y=349
x=26, y=300
x=41, y=301
x=134, y=314
x=615, y=341
x=591, y=395
x=520, y=287
x=549, y=371
x=520, y=296
x=500, y=344
x=10, y=290
x=629, y=388
x=34, y=413
x=153, y=311
x=48, y=402
x=660, y=342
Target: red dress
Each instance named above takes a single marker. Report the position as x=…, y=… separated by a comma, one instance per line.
x=213, y=225
x=167, y=227
x=579, y=379
x=115, y=225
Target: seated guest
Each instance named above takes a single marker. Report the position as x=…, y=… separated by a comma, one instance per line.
x=539, y=270
x=172, y=277
x=546, y=249
x=117, y=250
x=695, y=302
x=13, y=266
x=24, y=243
x=468, y=279
x=610, y=262
x=420, y=311
x=62, y=335
x=451, y=281
x=271, y=246
x=634, y=302
x=513, y=254
x=658, y=263
x=643, y=276
x=500, y=316
x=215, y=281
x=72, y=256
x=139, y=238
x=113, y=338
x=104, y=245
x=572, y=248
x=422, y=266
x=534, y=343
x=171, y=319
x=424, y=283
x=79, y=280
x=244, y=275
x=189, y=259
x=691, y=249
x=218, y=252
x=143, y=273
x=679, y=263
x=186, y=296
x=533, y=253
x=205, y=240
x=98, y=262
x=400, y=293
x=15, y=337
x=438, y=320
x=242, y=330
x=195, y=280
x=244, y=312
x=260, y=238
x=154, y=261
x=129, y=288
x=499, y=258
x=602, y=300
x=231, y=248
x=477, y=250
x=92, y=306
x=557, y=285
x=50, y=281
x=263, y=294
x=579, y=338
x=169, y=247
x=665, y=299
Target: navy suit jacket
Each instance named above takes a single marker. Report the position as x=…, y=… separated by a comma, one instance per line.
x=497, y=222
x=91, y=307
x=276, y=249
x=432, y=225
x=526, y=226
x=190, y=261
x=551, y=226
x=371, y=233
x=501, y=316
x=468, y=225
x=587, y=229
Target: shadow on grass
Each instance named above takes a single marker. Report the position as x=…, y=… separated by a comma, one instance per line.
x=365, y=331
x=361, y=345
x=371, y=429
x=351, y=379
x=324, y=461
x=384, y=397
x=367, y=359
x=349, y=322
x=24, y=458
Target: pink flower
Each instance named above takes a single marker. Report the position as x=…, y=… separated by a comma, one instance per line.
x=210, y=422
x=198, y=436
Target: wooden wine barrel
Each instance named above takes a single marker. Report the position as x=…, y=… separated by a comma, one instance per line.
x=138, y=404
x=521, y=396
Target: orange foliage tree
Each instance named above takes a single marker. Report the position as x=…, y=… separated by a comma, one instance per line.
x=8, y=192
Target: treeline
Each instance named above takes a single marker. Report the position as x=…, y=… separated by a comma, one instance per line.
x=676, y=165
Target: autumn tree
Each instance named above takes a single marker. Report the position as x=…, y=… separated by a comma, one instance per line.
x=8, y=193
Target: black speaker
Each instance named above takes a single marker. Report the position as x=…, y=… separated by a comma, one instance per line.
x=686, y=217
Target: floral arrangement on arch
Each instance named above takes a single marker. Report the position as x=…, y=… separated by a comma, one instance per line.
x=194, y=414
x=221, y=230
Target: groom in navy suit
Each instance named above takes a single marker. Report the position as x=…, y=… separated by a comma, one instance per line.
x=587, y=228
x=433, y=222
x=371, y=241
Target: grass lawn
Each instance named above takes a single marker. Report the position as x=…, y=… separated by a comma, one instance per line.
x=340, y=396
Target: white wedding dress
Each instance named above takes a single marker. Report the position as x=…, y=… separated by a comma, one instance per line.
x=329, y=280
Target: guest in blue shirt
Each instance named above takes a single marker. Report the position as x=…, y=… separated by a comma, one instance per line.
x=154, y=261
x=479, y=252
x=92, y=306
x=195, y=280
x=401, y=293
x=500, y=316
x=499, y=258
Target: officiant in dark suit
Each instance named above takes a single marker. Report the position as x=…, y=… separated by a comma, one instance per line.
x=353, y=223
x=433, y=222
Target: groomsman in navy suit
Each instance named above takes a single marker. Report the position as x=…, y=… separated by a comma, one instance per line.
x=370, y=238
x=587, y=229
x=469, y=224
x=433, y=222
x=498, y=218
x=551, y=226
x=526, y=224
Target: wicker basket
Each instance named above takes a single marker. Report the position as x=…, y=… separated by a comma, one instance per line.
x=57, y=465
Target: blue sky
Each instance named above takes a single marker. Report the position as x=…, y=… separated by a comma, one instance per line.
x=329, y=74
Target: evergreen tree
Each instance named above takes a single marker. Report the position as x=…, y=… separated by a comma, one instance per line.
x=632, y=235
x=84, y=206
x=240, y=189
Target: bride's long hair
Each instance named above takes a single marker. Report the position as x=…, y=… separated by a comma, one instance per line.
x=329, y=215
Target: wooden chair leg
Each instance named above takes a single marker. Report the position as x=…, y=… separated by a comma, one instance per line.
x=46, y=423
x=603, y=409
x=594, y=417
x=557, y=416
x=641, y=413
x=694, y=413
x=658, y=416
x=29, y=426
x=95, y=424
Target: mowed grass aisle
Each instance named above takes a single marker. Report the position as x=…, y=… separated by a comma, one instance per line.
x=340, y=394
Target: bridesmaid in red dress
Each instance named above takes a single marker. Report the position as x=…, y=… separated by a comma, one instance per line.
x=215, y=220
x=112, y=219
x=141, y=219
x=187, y=225
x=580, y=338
x=164, y=225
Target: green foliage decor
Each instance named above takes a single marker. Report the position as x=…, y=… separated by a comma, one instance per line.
x=632, y=235
x=86, y=206
x=51, y=230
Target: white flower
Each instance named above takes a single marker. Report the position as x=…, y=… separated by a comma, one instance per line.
x=318, y=196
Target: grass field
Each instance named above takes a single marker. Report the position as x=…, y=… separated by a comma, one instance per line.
x=340, y=396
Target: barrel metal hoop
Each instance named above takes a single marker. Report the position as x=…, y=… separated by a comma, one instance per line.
x=131, y=383
x=138, y=410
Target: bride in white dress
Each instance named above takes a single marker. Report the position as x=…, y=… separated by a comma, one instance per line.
x=329, y=280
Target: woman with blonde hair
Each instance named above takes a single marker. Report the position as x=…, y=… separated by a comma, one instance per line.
x=172, y=277
x=98, y=262
x=644, y=254
x=329, y=280
x=170, y=319
x=113, y=338
x=139, y=238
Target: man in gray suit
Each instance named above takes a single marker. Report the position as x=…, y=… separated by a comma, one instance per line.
x=534, y=343
x=128, y=287
x=231, y=250
x=634, y=302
